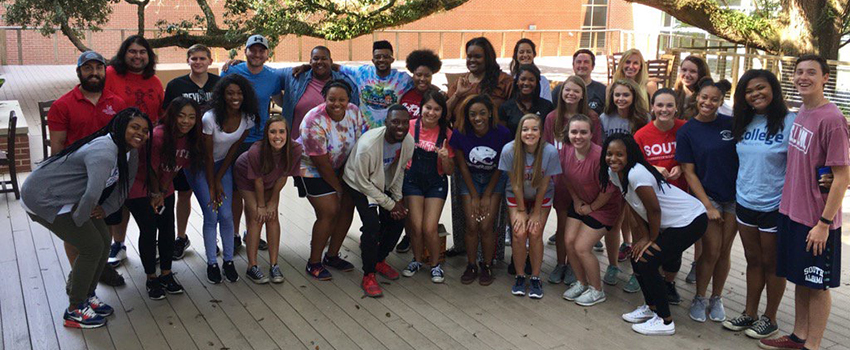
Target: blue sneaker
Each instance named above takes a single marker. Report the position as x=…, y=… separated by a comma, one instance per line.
x=697, y=310
x=99, y=306
x=536, y=289
x=319, y=272
x=117, y=252
x=519, y=286
x=83, y=317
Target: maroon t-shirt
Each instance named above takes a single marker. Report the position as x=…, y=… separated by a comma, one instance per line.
x=411, y=101
x=583, y=176
x=249, y=168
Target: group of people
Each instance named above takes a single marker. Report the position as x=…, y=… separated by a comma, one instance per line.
x=661, y=169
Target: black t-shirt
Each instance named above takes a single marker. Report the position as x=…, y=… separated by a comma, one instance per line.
x=184, y=86
x=510, y=113
x=595, y=93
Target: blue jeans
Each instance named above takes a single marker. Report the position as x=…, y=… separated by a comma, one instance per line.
x=223, y=217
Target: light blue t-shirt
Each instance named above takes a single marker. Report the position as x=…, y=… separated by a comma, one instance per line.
x=761, y=169
x=266, y=84
x=377, y=94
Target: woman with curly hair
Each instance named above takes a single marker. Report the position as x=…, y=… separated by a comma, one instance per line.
x=422, y=64
x=225, y=127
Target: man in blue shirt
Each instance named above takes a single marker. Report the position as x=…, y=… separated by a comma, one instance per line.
x=266, y=86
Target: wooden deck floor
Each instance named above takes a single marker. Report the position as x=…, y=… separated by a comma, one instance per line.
x=308, y=314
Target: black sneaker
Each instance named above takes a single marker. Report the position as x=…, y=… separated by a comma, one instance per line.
x=673, y=297
x=337, y=263
x=455, y=251
x=180, y=245
x=230, y=272
x=404, y=245
x=263, y=245
x=170, y=284
x=213, y=274
x=256, y=275
x=237, y=242
x=155, y=290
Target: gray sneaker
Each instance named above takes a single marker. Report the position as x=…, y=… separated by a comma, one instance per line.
x=692, y=275
x=598, y=247
x=569, y=275
x=275, y=274
x=697, y=310
x=632, y=286
x=610, y=277
x=256, y=275
x=575, y=290
x=557, y=274
x=762, y=328
x=716, y=311
x=590, y=297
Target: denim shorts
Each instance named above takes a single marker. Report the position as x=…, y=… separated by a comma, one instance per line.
x=480, y=181
x=435, y=187
x=723, y=207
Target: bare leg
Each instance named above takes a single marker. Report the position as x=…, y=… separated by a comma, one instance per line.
x=535, y=244
x=587, y=237
x=724, y=261
x=571, y=233
x=236, y=209
x=430, y=222
x=416, y=211
x=560, y=248
x=184, y=208
x=327, y=209
x=750, y=238
x=712, y=242
x=820, y=303
x=518, y=249
x=775, y=284
x=253, y=238
x=471, y=236
x=343, y=223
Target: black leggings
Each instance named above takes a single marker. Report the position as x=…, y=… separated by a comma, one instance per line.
x=154, y=229
x=379, y=233
x=671, y=242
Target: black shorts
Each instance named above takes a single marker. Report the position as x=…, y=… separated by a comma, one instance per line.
x=804, y=268
x=764, y=221
x=313, y=187
x=180, y=182
x=244, y=147
x=587, y=220
x=115, y=218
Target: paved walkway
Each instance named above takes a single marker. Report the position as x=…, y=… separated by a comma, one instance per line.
x=304, y=313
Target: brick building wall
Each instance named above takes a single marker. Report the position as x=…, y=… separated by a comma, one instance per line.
x=475, y=14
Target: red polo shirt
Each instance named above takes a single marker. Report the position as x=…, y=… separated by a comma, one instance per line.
x=145, y=94
x=78, y=117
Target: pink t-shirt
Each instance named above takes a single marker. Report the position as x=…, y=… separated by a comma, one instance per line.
x=659, y=148
x=411, y=101
x=181, y=159
x=311, y=98
x=819, y=137
x=583, y=176
x=428, y=143
x=249, y=168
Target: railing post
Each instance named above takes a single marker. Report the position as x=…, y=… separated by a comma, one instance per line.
x=540, y=50
x=419, y=40
x=441, y=45
x=397, y=45
x=502, y=51
x=3, y=53
x=300, y=47
x=123, y=35
x=462, y=39
x=350, y=50
x=20, y=47
x=560, y=38
x=88, y=39
x=55, y=48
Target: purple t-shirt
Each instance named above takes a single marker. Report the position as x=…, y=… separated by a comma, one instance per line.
x=819, y=137
x=312, y=97
x=481, y=153
x=249, y=167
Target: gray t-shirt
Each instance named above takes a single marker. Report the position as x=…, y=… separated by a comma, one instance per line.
x=550, y=167
x=391, y=153
x=614, y=123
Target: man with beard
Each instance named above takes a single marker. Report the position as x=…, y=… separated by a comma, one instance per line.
x=80, y=112
x=373, y=175
x=304, y=92
x=380, y=86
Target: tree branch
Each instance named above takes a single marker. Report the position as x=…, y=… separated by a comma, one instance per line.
x=72, y=36
x=140, y=12
x=218, y=39
x=212, y=26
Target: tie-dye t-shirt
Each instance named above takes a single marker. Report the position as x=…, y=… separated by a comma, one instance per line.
x=321, y=135
x=377, y=94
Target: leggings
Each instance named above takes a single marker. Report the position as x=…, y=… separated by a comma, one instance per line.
x=222, y=217
x=672, y=242
x=92, y=241
x=154, y=230
x=379, y=233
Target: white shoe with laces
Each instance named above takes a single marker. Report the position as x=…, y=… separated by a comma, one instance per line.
x=655, y=326
x=641, y=314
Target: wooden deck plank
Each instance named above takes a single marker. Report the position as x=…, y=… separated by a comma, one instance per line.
x=16, y=334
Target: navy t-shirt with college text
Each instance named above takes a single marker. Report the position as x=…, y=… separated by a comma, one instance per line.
x=711, y=148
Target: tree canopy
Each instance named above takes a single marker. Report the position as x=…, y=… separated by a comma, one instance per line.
x=789, y=27
x=328, y=19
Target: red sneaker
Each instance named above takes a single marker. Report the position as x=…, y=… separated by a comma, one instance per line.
x=782, y=343
x=371, y=287
x=386, y=270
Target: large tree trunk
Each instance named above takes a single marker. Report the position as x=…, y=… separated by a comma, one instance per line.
x=802, y=26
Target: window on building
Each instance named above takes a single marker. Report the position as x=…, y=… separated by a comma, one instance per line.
x=595, y=20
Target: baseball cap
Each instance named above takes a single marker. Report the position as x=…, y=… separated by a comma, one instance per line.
x=257, y=39
x=89, y=56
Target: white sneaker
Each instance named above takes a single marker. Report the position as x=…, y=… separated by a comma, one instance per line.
x=590, y=297
x=655, y=326
x=575, y=290
x=641, y=314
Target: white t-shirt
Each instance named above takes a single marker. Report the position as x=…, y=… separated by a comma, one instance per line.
x=223, y=140
x=678, y=209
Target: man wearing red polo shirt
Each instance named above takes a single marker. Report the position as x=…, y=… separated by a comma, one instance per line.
x=80, y=112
